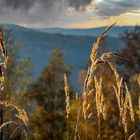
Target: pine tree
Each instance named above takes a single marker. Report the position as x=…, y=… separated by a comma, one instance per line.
x=48, y=121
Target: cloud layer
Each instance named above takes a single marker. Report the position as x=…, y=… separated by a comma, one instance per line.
x=116, y=7
x=53, y=12
x=48, y=4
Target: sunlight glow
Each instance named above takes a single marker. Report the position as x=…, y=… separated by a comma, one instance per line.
x=127, y=19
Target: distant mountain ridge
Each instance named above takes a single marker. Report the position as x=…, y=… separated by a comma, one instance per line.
x=114, y=32
x=39, y=45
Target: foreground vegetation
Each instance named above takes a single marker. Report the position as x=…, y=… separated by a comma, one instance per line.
x=108, y=107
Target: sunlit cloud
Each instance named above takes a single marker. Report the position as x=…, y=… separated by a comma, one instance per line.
x=127, y=19
x=116, y=7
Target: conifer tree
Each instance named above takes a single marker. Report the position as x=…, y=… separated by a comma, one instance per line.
x=48, y=121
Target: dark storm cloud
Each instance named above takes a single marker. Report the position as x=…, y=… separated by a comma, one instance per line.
x=79, y=4
x=27, y=4
x=39, y=11
x=116, y=7
x=18, y=4
x=30, y=11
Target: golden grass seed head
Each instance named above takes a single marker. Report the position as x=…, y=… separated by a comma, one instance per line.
x=66, y=89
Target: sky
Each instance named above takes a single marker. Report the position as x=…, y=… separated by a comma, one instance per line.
x=70, y=13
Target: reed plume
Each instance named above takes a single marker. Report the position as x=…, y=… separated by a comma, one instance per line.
x=90, y=73
x=3, y=102
x=93, y=57
x=4, y=60
x=100, y=103
x=21, y=112
x=128, y=105
x=124, y=115
x=119, y=91
x=3, y=67
x=131, y=108
x=66, y=88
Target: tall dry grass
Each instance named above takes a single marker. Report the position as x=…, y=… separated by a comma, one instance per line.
x=94, y=86
x=8, y=103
